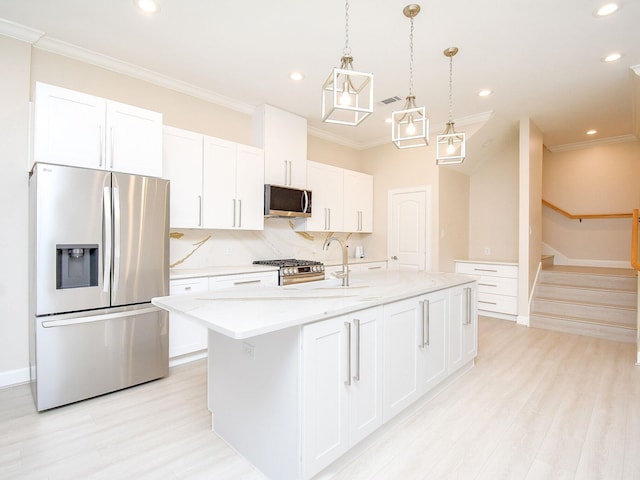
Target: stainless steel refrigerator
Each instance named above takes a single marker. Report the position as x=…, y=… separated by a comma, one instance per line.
x=99, y=252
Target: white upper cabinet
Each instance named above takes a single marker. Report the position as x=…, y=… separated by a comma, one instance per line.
x=233, y=185
x=325, y=183
x=77, y=129
x=358, y=202
x=215, y=183
x=182, y=165
x=283, y=137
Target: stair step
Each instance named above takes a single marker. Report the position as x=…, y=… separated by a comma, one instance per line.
x=603, y=296
x=589, y=280
x=579, y=326
x=585, y=310
x=597, y=302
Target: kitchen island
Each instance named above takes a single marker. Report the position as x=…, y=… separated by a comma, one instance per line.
x=299, y=375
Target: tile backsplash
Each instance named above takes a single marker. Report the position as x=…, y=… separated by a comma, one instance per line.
x=195, y=248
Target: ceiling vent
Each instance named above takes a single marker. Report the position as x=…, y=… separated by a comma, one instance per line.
x=389, y=100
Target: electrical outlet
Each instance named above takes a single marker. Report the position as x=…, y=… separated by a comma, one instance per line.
x=487, y=250
x=249, y=350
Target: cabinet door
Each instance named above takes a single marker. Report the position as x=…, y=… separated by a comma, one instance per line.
x=435, y=311
x=462, y=326
x=185, y=335
x=69, y=127
x=325, y=426
x=283, y=136
x=250, y=187
x=358, y=202
x=365, y=391
x=325, y=183
x=182, y=165
x=402, y=355
x=220, y=206
x=133, y=140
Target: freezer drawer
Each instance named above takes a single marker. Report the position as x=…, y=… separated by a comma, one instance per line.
x=82, y=356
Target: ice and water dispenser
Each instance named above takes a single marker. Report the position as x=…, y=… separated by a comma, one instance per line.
x=76, y=266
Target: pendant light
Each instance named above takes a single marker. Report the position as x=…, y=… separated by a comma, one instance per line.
x=450, y=146
x=347, y=95
x=410, y=126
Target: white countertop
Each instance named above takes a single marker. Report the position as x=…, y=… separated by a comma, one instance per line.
x=179, y=273
x=246, y=311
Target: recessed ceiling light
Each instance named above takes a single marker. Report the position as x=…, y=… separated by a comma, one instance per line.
x=612, y=57
x=591, y=132
x=607, y=9
x=147, y=6
x=485, y=92
x=296, y=76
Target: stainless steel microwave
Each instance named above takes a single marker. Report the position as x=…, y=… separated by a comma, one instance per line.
x=286, y=201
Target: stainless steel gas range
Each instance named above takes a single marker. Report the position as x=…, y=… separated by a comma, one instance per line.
x=294, y=271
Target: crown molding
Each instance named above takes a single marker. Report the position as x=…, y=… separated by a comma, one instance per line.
x=41, y=41
x=592, y=143
x=19, y=32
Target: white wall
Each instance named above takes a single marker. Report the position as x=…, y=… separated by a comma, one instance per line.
x=14, y=121
x=597, y=179
x=530, y=215
x=454, y=218
x=493, y=206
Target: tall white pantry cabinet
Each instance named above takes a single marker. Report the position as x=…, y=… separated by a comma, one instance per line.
x=77, y=129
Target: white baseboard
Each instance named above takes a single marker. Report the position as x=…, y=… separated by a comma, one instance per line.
x=523, y=320
x=187, y=358
x=14, y=377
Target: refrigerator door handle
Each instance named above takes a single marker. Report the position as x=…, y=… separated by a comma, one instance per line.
x=106, y=254
x=97, y=318
x=116, y=241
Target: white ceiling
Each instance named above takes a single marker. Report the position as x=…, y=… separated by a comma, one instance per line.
x=541, y=58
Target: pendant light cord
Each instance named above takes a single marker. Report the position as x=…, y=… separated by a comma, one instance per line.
x=450, y=88
x=347, y=48
x=411, y=59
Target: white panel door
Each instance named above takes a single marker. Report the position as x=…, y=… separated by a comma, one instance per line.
x=409, y=229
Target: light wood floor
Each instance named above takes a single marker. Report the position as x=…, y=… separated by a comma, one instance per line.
x=538, y=405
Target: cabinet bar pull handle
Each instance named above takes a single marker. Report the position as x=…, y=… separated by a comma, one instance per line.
x=329, y=210
x=357, y=375
x=347, y=382
x=245, y=282
x=488, y=303
x=187, y=289
x=467, y=291
x=239, y=213
x=199, y=210
x=112, y=143
x=234, y=212
x=485, y=270
x=101, y=145
x=487, y=285
x=377, y=267
x=286, y=181
x=290, y=180
x=428, y=321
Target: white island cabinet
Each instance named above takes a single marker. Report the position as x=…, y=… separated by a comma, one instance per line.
x=301, y=374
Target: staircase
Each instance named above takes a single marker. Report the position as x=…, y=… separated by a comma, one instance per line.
x=592, y=301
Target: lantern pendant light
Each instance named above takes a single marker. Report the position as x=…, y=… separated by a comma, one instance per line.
x=410, y=126
x=451, y=145
x=347, y=95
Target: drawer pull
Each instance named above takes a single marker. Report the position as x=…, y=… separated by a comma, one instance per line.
x=186, y=289
x=246, y=282
x=488, y=303
x=487, y=285
x=375, y=268
x=485, y=270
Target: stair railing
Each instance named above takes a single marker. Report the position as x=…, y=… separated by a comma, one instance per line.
x=634, y=241
x=586, y=216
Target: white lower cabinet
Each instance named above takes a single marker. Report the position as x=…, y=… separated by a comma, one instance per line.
x=342, y=385
x=186, y=336
x=463, y=324
x=414, y=349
